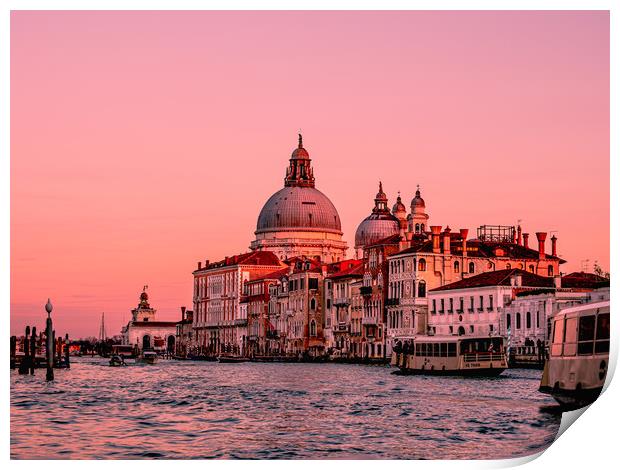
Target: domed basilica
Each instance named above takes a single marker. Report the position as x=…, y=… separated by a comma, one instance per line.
x=299, y=220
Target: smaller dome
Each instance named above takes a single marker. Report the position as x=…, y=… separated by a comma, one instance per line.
x=399, y=206
x=376, y=227
x=417, y=201
x=144, y=296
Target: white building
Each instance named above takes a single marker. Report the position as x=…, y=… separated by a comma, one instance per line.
x=145, y=332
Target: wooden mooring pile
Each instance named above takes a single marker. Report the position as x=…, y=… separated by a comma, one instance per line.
x=40, y=351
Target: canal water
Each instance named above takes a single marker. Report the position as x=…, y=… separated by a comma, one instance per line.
x=184, y=409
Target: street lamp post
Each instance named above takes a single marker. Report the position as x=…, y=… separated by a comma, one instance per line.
x=49, y=350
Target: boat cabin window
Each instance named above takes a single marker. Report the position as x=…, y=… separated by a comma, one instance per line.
x=558, y=335
x=451, y=349
x=586, y=335
x=570, y=337
x=602, y=333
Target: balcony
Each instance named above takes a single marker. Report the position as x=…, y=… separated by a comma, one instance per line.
x=369, y=321
x=366, y=290
x=392, y=302
x=342, y=302
x=341, y=327
x=241, y=322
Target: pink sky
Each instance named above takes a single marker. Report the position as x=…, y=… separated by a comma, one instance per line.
x=142, y=142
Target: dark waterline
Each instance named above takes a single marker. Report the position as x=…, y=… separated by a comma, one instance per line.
x=182, y=409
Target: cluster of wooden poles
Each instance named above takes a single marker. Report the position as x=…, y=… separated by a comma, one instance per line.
x=56, y=349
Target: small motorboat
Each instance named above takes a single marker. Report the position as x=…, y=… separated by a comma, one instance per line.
x=117, y=361
x=232, y=359
x=148, y=357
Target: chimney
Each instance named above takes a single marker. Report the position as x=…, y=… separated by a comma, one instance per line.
x=554, y=247
x=402, y=242
x=435, y=231
x=464, y=233
x=557, y=281
x=199, y=264
x=409, y=236
x=514, y=236
x=226, y=260
x=182, y=313
x=446, y=241
x=516, y=280
x=526, y=237
x=542, y=236
x=206, y=263
x=519, y=235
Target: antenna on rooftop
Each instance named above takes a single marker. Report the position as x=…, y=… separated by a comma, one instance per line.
x=585, y=264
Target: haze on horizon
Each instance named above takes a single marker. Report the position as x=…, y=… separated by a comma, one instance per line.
x=143, y=142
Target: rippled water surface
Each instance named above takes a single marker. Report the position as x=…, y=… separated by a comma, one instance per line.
x=183, y=409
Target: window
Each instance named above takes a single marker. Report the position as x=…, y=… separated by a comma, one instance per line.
x=313, y=304
x=471, y=328
x=490, y=328
x=329, y=303
x=602, y=334
x=549, y=270
x=558, y=335
x=471, y=303
x=518, y=320
x=313, y=283
x=481, y=308
x=490, y=302
x=451, y=349
x=312, y=328
x=570, y=337
x=528, y=320
x=461, y=302
x=457, y=267
x=421, y=289
x=451, y=309
x=508, y=266
x=531, y=268
x=507, y=321
x=586, y=335
x=417, y=228
x=434, y=309
x=442, y=306
x=422, y=265
x=472, y=268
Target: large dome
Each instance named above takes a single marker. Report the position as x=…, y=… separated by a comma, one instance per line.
x=298, y=208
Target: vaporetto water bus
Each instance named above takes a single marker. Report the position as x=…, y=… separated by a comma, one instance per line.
x=576, y=369
x=453, y=355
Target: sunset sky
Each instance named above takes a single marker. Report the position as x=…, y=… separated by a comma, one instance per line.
x=143, y=142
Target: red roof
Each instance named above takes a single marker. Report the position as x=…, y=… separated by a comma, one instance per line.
x=584, y=280
x=499, y=278
x=277, y=274
x=357, y=270
x=255, y=258
x=391, y=240
x=482, y=249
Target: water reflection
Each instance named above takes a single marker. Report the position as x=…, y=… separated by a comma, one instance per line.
x=260, y=410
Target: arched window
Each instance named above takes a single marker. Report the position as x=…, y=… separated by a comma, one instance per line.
x=457, y=267
x=421, y=289
x=518, y=320
x=421, y=227
x=313, y=304
x=472, y=268
x=312, y=328
x=507, y=321
x=508, y=266
x=417, y=228
x=422, y=265
x=528, y=320
x=549, y=270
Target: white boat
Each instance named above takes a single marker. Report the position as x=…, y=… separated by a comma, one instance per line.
x=148, y=357
x=576, y=369
x=453, y=355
